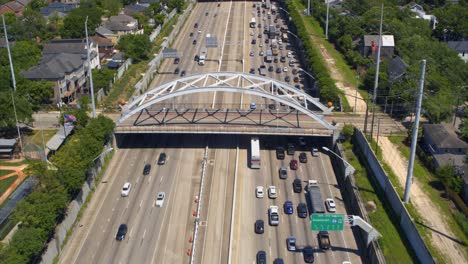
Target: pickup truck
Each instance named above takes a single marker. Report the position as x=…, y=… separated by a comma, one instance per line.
x=324, y=240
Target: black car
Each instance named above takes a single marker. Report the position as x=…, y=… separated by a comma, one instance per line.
x=267, y=41
x=297, y=186
x=275, y=60
x=272, y=106
x=283, y=59
x=162, y=159
x=270, y=69
x=261, y=257
x=294, y=71
x=280, y=153
x=302, y=210
x=287, y=79
x=196, y=25
x=176, y=60
x=296, y=79
x=252, y=71
x=191, y=34
x=278, y=261
x=182, y=73
x=278, y=70
x=259, y=227
x=147, y=169
x=308, y=253
x=194, y=42
x=303, y=157
x=254, y=41
x=206, y=14
x=196, y=58
x=176, y=71
x=121, y=232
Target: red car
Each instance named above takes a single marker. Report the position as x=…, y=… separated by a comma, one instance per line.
x=293, y=164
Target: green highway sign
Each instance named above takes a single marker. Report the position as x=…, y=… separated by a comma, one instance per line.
x=327, y=222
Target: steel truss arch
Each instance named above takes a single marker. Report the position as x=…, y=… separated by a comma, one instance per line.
x=230, y=82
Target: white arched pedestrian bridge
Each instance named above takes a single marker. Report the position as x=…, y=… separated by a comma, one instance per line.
x=283, y=109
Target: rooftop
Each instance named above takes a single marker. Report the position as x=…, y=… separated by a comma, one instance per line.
x=373, y=40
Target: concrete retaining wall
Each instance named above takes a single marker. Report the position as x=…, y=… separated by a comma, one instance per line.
x=380, y=177
x=54, y=246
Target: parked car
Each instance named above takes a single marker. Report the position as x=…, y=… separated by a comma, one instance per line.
x=291, y=243
x=288, y=207
x=272, y=192
x=283, y=172
x=302, y=210
x=121, y=232
x=259, y=227
x=259, y=192
x=126, y=189
x=303, y=157
x=330, y=204
x=160, y=199
x=293, y=164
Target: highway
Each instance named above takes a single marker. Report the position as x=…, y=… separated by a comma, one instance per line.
x=228, y=205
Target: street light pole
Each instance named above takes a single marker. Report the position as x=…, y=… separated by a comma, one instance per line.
x=349, y=168
x=90, y=73
x=377, y=68
x=326, y=24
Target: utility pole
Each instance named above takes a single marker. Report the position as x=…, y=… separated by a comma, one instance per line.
x=308, y=7
x=378, y=133
x=355, y=96
x=409, y=176
x=13, y=79
x=90, y=73
x=377, y=68
x=326, y=24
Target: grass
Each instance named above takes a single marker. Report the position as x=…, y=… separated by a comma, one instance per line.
x=383, y=219
x=8, y=163
x=4, y=184
x=5, y=172
x=36, y=137
x=427, y=180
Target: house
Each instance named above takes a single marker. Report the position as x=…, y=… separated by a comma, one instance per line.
x=122, y=25
x=371, y=42
x=334, y=3
x=461, y=47
x=396, y=69
x=12, y=7
x=131, y=10
x=105, y=47
x=420, y=13
x=64, y=62
x=60, y=9
x=447, y=149
x=106, y=33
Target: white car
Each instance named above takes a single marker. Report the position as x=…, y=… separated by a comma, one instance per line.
x=272, y=192
x=126, y=189
x=160, y=199
x=259, y=192
x=290, y=54
x=285, y=69
x=331, y=206
x=315, y=152
x=273, y=215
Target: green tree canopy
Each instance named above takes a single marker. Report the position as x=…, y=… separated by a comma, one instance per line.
x=136, y=47
x=74, y=23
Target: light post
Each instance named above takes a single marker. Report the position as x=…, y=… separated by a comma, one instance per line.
x=90, y=72
x=349, y=168
x=326, y=23
x=314, y=89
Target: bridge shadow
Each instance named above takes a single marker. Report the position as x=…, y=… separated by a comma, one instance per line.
x=267, y=142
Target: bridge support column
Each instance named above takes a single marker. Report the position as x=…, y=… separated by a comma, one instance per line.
x=336, y=135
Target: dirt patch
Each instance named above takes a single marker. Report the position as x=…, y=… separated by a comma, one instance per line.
x=335, y=74
x=17, y=170
x=441, y=236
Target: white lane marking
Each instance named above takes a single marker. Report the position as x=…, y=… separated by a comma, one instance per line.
x=144, y=233
x=141, y=202
x=130, y=234
x=222, y=49
x=128, y=204
x=233, y=205
x=137, y=179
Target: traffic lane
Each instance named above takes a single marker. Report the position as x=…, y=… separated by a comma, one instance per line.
x=173, y=238
x=104, y=193
x=219, y=206
x=111, y=212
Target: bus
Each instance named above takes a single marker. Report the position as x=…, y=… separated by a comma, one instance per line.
x=253, y=22
x=255, y=153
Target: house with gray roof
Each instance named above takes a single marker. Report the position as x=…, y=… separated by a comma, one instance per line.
x=370, y=45
x=461, y=47
x=61, y=9
x=131, y=10
x=64, y=62
x=122, y=25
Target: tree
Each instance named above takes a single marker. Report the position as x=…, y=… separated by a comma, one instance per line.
x=159, y=19
x=74, y=23
x=347, y=131
x=36, y=5
x=464, y=126
x=452, y=22
x=111, y=6
x=102, y=77
x=7, y=115
x=39, y=92
x=136, y=47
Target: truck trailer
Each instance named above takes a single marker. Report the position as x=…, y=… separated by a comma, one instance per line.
x=314, y=199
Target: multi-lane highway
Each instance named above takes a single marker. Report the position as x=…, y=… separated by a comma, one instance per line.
x=229, y=207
